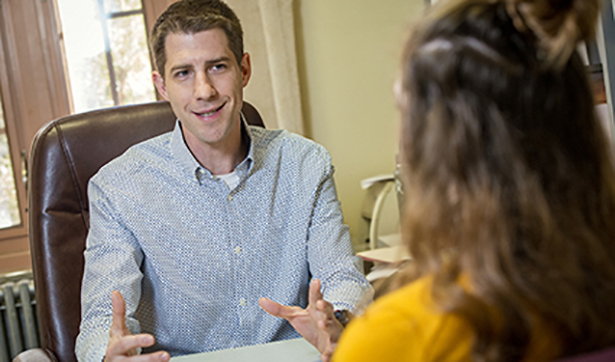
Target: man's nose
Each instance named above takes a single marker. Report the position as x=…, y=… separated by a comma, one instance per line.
x=203, y=88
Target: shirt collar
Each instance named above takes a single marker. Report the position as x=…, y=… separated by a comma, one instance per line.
x=193, y=169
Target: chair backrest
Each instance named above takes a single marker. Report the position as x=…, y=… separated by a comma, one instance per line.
x=65, y=154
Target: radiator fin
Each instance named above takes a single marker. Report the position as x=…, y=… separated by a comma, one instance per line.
x=18, y=325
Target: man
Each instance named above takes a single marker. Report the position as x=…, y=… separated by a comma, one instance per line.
x=193, y=231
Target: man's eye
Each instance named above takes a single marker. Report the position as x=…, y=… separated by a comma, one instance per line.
x=182, y=74
x=218, y=68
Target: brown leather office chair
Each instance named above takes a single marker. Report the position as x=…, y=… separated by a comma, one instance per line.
x=65, y=154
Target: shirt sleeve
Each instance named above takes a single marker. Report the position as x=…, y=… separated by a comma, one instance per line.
x=112, y=262
x=330, y=252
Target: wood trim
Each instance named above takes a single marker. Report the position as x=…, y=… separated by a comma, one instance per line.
x=10, y=263
x=43, y=31
x=60, y=52
x=55, y=67
x=34, y=90
x=14, y=245
x=14, y=90
x=36, y=71
x=15, y=254
x=151, y=11
x=9, y=90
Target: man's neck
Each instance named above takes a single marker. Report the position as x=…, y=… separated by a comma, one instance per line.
x=220, y=161
x=221, y=158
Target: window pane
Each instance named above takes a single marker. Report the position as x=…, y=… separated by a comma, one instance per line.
x=113, y=6
x=131, y=62
x=85, y=54
x=90, y=62
x=9, y=207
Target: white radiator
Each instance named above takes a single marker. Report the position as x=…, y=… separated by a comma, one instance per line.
x=18, y=325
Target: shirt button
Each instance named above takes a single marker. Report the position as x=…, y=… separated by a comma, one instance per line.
x=238, y=250
x=242, y=302
x=229, y=198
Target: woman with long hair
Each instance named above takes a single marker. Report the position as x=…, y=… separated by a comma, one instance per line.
x=509, y=192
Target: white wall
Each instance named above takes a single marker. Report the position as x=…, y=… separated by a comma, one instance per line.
x=348, y=55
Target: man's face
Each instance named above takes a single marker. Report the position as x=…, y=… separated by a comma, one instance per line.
x=204, y=85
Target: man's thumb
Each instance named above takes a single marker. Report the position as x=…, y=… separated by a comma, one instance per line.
x=118, y=321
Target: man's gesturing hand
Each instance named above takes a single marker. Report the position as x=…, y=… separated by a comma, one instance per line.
x=122, y=345
x=316, y=323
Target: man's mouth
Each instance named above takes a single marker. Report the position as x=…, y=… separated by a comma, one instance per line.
x=210, y=113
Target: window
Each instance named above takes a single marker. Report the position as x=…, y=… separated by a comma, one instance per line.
x=9, y=207
x=106, y=51
x=44, y=52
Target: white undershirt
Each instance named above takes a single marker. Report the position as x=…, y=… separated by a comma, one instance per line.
x=230, y=179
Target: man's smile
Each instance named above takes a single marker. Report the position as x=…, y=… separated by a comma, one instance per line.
x=210, y=112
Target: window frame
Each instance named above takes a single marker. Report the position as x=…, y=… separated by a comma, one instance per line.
x=35, y=88
x=14, y=245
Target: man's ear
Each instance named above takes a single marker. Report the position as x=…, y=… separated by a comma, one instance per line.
x=246, y=69
x=159, y=82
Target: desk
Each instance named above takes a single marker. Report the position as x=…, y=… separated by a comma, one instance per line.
x=389, y=254
x=296, y=350
x=384, y=258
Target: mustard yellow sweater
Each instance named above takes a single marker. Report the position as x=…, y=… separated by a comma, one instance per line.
x=406, y=326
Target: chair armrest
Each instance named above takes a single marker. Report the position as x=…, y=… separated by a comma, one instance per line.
x=35, y=355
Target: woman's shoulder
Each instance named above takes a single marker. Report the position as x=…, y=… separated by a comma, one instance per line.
x=405, y=325
x=408, y=307
x=405, y=300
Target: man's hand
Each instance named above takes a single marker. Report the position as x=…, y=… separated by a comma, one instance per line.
x=122, y=345
x=316, y=323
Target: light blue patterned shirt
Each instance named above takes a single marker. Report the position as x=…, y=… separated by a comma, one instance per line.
x=192, y=257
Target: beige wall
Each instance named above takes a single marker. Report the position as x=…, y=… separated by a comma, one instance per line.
x=348, y=54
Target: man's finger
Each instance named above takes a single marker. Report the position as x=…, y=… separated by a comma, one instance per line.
x=118, y=321
x=315, y=294
x=151, y=357
x=276, y=309
x=332, y=327
x=327, y=321
x=127, y=345
x=325, y=307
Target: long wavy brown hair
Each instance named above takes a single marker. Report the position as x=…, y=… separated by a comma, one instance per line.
x=509, y=179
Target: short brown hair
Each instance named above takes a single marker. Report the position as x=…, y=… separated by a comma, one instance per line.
x=194, y=16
